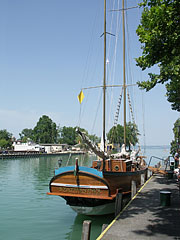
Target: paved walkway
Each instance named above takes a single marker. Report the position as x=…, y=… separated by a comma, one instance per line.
x=144, y=218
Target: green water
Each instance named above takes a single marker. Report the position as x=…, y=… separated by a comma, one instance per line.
x=28, y=213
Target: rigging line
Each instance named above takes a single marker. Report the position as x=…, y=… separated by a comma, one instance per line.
x=118, y=21
x=128, y=50
x=82, y=157
x=68, y=159
x=113, y=66
x=121, y=9
x=130, y=106
x=112, y=17
x=79, y=119
x=131, y=75
x=118, y=108
x=83, y=107
x=85, y=72
x=144, y=131
x=110, y=72
x=129, y=65
x=109, y=86
x=98, y=106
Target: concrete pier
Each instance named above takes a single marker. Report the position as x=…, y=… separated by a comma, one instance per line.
x=37, y=154
x=145, y=217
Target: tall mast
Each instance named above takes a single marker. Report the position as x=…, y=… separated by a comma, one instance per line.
x=124, y=68
x=104, y=81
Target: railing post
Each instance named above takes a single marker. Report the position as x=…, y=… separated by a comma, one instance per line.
x=118, y=204
x=142, y=179
x=149, y=173
x=104, y=226
x=86, y=230
x=133, y=189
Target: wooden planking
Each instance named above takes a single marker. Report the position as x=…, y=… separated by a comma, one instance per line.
x=83, y=195
x=123, y=182
x=82, y=179
x=80, y=191
x=111, y=165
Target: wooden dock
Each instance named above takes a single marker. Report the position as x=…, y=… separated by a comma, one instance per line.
x=145, y=217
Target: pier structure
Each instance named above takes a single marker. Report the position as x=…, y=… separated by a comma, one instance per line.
x=35, y=154
x=146, y=216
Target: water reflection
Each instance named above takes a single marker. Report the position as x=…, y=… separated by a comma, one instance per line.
x=24, y=204
x=96, y=226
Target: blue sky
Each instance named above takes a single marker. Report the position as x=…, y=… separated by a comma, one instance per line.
x=49, y=50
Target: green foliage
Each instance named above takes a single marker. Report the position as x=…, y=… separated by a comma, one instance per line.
x=94, y=139
x=68, y=135
x=79, y=141
x=132, y=134
x=176, y=141
x=26, y=134
x=159, y=33
x=116, y=134
x=5, y=139
x=45, y=131
x=173, y=94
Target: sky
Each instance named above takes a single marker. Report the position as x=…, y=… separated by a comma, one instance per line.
x=49, y=50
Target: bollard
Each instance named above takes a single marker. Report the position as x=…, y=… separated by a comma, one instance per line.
x=142, y=179
x=118, y=204
x=170, y=174
x=149, y=173
x=86, y=230
x=133, y=189
x=104, y=226
x=165, y=198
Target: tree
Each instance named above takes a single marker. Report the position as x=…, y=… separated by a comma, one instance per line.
x=116, y=134
x=175, y=143
x=45, y=131
x=5, y=139
x=68, y=135
x=26, y=134
x=95, y=139
x=159, y=33
x=4, y=144
x=132, y=134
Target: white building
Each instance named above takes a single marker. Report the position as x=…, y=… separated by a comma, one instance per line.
x=29, y=146
x=53, y=148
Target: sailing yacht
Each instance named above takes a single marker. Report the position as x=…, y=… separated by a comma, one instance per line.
x=94, y=190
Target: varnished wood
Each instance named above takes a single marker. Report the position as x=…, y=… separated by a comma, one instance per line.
x=84, y=196
x=115, y=177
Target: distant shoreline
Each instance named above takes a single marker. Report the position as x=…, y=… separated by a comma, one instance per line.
x=34, y=154
x=156, y=146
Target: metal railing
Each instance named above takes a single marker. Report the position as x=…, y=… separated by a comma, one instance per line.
x=166, y=161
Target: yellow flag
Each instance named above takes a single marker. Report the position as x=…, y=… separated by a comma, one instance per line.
x=81, y=96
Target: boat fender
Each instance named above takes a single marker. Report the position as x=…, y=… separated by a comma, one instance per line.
x=116, y=168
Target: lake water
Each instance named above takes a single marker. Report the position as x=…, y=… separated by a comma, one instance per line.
x=27, y=213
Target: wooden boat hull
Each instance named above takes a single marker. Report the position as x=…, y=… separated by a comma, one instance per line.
x=122, y=180
x=90, y=192
x=104, y=209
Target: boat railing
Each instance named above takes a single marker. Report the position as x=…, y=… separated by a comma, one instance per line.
x=165, y=162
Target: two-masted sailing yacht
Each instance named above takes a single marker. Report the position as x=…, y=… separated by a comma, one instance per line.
x=93, y=190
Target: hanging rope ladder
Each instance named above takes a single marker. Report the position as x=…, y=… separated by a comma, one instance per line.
x=118, y=108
